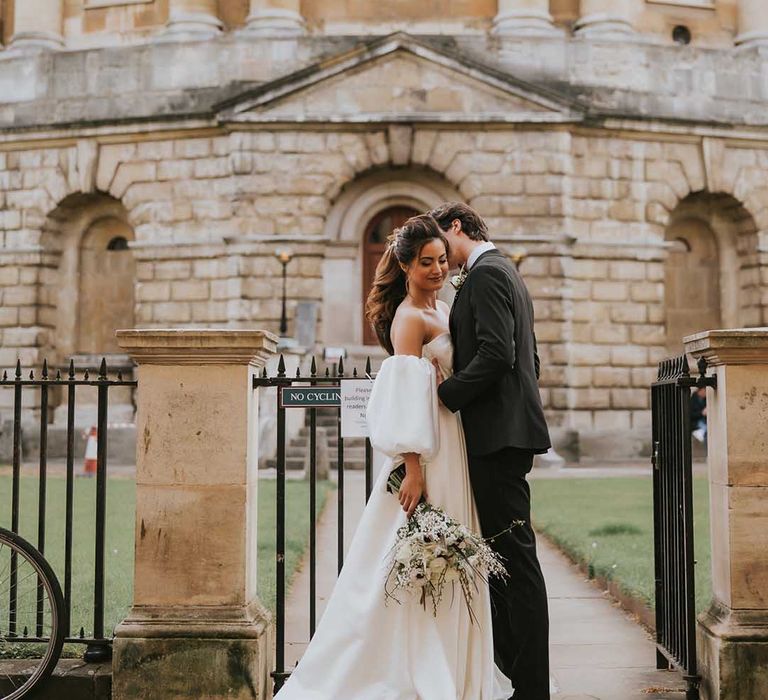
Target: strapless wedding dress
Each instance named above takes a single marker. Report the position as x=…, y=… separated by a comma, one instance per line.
x=364, y=649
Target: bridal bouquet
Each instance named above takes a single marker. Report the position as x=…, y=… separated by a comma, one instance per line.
x=434, y=551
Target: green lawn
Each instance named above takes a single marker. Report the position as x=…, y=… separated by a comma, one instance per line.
x=607, y=524
x=121, y=500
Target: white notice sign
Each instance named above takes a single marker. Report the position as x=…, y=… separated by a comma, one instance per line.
x=354, y=402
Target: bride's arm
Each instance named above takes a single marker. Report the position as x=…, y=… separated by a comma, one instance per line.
x=408, y=335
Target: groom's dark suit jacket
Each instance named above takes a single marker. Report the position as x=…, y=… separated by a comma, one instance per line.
x=495, y=361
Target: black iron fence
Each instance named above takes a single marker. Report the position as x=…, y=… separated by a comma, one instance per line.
x=328, y=399
x=67, y=385
x=673, y=517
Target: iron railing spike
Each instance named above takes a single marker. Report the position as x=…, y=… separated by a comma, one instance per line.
x=341, y=366
x=281, y=367
x=313, y=367
x=103, y=368
x=263, y=372
x=26, y=631
x=354, y=372
x=18, y=369
x=71, y=369
x=119, y=376
x=686, y=367
x=86, y=374
x=298, y=372
x=45, y=368
x=5, y=375
x=82, y=633
x=58, y=375
x=327, y=372
x=31, y=374
x=368, y=366
x=702, y=366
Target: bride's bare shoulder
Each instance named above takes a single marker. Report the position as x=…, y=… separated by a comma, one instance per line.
x=409, y=328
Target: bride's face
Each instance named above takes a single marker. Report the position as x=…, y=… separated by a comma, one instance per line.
x=429, y=269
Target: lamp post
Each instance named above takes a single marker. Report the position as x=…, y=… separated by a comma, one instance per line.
x=284, y=255
x=517, y=257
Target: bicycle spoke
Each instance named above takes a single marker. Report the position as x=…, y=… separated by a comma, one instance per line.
x=35, y=609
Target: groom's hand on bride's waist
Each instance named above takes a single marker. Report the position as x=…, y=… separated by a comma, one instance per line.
x=439, y=374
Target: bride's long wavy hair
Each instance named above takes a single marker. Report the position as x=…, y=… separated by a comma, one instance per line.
x=388, y=291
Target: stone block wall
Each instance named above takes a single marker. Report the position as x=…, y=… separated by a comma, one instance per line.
x=209, y=211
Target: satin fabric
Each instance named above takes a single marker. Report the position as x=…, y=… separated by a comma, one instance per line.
x=368, y=649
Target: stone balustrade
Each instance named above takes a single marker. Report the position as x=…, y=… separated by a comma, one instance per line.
x=192, y=19
x=524, y=18
x=38, y=24
x=275, y=18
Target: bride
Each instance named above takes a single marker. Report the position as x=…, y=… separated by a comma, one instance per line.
x=364, y=648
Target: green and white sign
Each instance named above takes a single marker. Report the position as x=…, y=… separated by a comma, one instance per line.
x=310, y=396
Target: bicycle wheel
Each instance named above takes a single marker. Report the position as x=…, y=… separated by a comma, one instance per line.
x=31, y=617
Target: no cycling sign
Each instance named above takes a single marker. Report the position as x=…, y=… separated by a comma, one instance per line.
x=351, y=397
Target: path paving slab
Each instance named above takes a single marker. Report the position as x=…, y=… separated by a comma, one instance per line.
x=598, y=651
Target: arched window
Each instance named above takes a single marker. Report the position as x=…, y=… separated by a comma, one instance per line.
x=374, y=244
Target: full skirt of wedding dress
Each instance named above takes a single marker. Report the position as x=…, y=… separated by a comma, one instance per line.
x=368, y=649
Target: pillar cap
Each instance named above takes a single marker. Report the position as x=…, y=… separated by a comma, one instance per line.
x=198, y=346
x=732, y=346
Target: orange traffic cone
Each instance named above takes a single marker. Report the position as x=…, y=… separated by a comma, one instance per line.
x=89, y=465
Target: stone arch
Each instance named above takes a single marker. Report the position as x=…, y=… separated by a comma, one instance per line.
x=358, y=203
x=722, y=240
x=82, y=235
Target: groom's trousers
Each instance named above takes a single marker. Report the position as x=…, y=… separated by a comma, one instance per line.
x=519, y=605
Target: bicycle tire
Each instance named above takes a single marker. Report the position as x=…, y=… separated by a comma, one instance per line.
x=51, y=584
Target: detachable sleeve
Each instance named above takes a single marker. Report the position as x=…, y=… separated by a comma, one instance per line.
x=402, y=411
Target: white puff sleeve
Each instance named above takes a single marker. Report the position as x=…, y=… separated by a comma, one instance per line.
x=402, y=410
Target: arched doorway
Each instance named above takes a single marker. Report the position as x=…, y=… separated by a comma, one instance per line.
x=107, y=274
x=374, y=244
x=692, y=281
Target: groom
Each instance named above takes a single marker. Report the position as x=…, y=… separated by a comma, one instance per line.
x=495, y=387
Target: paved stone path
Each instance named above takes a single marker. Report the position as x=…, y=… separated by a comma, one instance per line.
x=598, y=652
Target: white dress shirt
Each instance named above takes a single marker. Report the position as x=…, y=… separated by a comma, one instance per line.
x=478, y=251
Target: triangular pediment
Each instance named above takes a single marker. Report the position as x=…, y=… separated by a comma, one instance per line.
x=398, y=79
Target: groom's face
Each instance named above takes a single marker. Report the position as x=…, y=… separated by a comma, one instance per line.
x=453, y=235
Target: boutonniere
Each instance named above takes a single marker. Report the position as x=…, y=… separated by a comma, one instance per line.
x=458, y=280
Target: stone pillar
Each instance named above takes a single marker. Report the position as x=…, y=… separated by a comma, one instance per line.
x=732, y=636
x=607, y=19
x=275, y=18
x=753, y=24
x=37, y=24
x=196, y=628
x=524, y=18
x=192, y=19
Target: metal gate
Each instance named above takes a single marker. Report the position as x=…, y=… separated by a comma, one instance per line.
x=65, y=384
x=673, y=517
x=326, y=399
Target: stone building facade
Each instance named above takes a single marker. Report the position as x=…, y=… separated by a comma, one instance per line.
x=154, y=155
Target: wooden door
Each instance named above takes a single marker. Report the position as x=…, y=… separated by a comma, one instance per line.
x=691, y=282
x=374, y=244
x=107, y=279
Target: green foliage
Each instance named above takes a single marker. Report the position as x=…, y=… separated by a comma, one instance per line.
x=297, y=531
x=607, y=525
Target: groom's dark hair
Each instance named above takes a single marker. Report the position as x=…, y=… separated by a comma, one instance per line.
x=471, y=222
